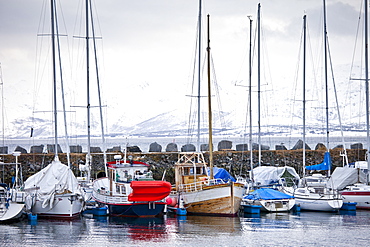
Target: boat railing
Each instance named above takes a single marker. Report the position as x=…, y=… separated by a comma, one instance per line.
x=200, y=185
x=107, y=198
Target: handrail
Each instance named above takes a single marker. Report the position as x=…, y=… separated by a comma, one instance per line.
x=199, y=185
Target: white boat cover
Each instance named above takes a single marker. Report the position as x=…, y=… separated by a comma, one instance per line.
x=56, y=178
x=267, y=175
x=344, y=176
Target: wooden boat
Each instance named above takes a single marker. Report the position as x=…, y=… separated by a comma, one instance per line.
x=130, y=190
x=201, y=194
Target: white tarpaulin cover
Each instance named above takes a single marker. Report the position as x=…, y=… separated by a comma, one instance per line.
x=54, y=179
x=266, y=175
x=343, y=176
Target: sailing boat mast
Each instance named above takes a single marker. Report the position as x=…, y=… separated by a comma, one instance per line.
x=209, y=102
x=304, y=95
x=199, y=67
x=99, y=93
x=326, y=79
x=259, y=80
x=54, y=78
x=367, y=88
x=250, y=94
x=88, y=156
x=326, y=82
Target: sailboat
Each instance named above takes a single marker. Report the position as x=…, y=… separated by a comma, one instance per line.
x=54, y=191
x=198, y=187
x=315, y=196
x=268, y=199
x=353, y=180
x=12, y=199
x=85, y=169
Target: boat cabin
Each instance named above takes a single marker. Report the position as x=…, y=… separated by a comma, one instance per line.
x=190, y=171
x=125, y=171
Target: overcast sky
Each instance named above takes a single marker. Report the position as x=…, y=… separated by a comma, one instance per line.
x=150, y=44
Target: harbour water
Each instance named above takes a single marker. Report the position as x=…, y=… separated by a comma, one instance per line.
x=282, y=229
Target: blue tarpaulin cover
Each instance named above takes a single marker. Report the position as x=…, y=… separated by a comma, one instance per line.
x=221, y=174
x=267, y=194
x=324, y=166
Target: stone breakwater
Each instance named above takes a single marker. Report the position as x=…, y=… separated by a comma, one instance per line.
x=236, y=162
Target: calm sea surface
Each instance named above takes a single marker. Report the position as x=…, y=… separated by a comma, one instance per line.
x=283, y=229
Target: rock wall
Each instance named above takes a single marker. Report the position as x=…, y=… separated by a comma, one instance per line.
x=236, y=162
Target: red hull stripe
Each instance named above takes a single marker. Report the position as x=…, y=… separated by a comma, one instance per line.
x=356, y=193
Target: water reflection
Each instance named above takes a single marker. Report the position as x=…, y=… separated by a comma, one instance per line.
x=145, y=229
x=278, y=229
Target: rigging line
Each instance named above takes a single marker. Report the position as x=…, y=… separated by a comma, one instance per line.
x=62, y=86
x=265, y=60
x=336, y=99
x=352, y=64
x=216, y=89
x=98, y=85
x=295, y=87
x=190, y=123
x=38, y=51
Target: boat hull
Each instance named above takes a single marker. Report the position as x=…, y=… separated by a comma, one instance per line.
x=315, y=201
x=143, y=209
x=63, y=206
x=362, y=198
x=139, y=199
x=272, y=205
x=11, y=211
x=220, y=199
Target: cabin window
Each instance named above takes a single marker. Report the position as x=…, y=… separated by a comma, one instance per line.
x=121, y=175
x=138, y=172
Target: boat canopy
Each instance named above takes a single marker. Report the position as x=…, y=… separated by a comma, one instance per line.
x=56, y=178
x=268, y=175
x=267, y=194
x=324, y=166
x=221, y=173
x=344, y=176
